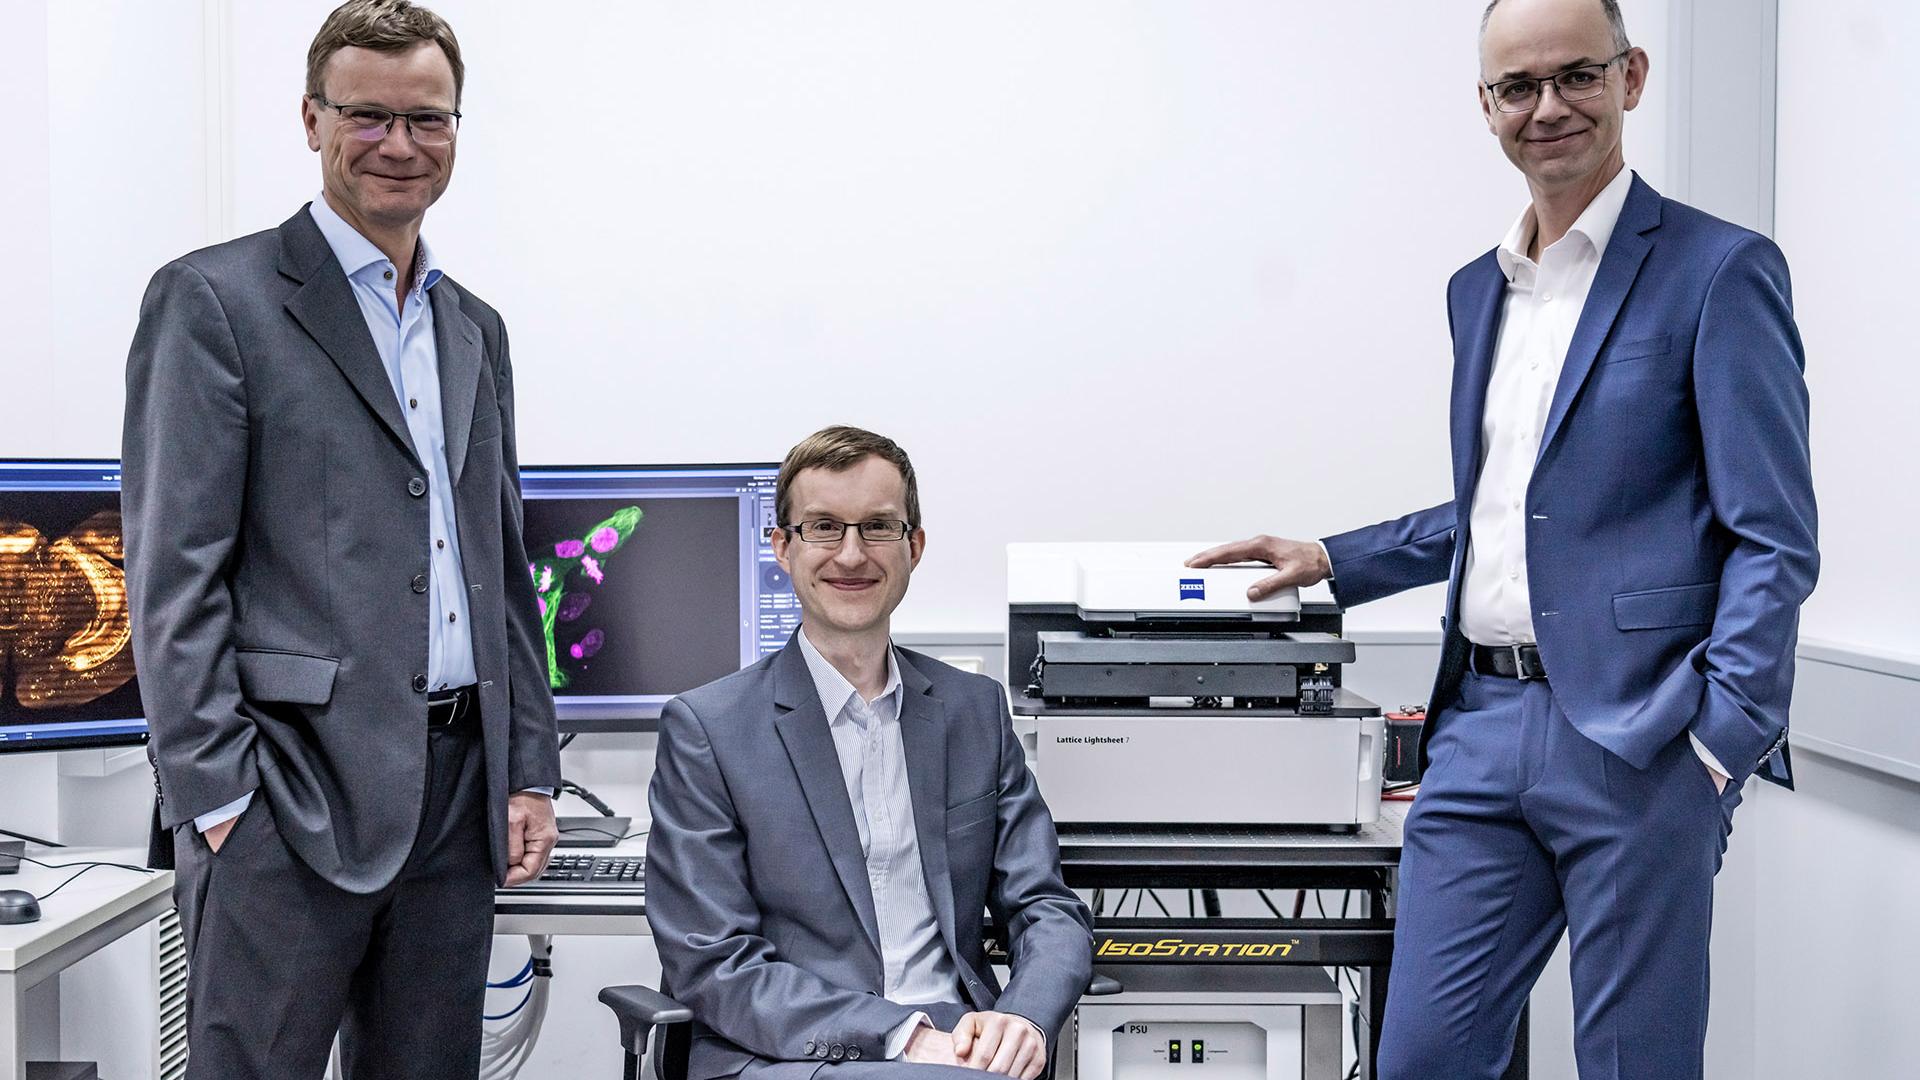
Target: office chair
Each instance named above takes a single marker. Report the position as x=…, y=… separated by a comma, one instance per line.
x=640, y=1009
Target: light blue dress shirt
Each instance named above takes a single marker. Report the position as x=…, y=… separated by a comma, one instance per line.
x=403, y=335
x=873, y=762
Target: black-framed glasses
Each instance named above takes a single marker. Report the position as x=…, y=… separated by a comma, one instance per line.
x=1574, y=84
x=371, y=123
x=829, y=531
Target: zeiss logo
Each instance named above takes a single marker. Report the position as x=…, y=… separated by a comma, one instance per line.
x=1193, y=588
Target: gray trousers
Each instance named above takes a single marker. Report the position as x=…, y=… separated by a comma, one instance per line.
x=279, y=959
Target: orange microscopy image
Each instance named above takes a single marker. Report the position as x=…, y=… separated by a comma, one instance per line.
x=65, y=630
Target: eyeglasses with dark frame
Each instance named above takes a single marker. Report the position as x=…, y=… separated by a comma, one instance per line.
x=1574, y=84
x=371, y=123
x=829, y=531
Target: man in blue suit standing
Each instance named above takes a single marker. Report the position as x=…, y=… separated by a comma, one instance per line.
x=1630, y=538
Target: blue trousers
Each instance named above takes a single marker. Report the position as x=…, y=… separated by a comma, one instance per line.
x=1524, y=828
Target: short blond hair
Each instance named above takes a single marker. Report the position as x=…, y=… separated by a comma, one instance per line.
x=837, y=449
x=387, y=26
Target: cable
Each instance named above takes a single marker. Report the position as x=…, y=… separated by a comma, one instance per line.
x=505, y=1051
x=1156, y=903
x=508, y=1015
x=617, y=837
x=84, y=867
x=1263, y=899
x=31, y=839
x=568, y=787
x=525, y=977
x=567, y=739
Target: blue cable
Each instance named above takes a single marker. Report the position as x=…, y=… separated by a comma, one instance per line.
x=522, y=979
x=515, y=1009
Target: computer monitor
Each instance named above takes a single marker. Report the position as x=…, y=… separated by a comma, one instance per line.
x=652, y=580
x=66, y=634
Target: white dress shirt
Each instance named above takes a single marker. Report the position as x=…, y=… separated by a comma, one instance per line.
x=1538, y=317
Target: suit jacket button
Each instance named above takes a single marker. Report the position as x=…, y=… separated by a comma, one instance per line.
x=820, y=1051
x=419, y=583
x=853, y=1053
x=836, y=1052
x=419, y=684
x=807, y=1051
x=416, y=487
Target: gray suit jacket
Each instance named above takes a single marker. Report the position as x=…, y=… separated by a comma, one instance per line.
x=757, y=889
x=276, y=527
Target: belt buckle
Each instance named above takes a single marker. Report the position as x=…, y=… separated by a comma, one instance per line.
x=455, y=706
x=1521, y=669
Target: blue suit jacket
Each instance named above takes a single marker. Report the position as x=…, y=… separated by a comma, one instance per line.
x=1670, y=517
x=757, y=888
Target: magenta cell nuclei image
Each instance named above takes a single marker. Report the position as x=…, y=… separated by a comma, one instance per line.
x=573, y=605
x=569, y=549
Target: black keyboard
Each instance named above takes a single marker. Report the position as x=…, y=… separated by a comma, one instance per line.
x=619, y=875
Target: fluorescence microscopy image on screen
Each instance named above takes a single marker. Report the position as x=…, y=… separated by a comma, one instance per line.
x=637, y=596
x=66, y=635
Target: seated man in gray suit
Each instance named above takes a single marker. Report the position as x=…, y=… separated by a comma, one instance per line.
x=830, y=824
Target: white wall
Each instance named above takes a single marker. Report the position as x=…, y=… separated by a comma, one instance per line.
x=1849, y=221
x=1102, y=267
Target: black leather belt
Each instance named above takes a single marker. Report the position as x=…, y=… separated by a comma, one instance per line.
x=456, y=708
x=1509, y=661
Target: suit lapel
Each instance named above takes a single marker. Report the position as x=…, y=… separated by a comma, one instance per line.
x=1478, y=329
x=325, y=306
x=1619, y=266
x=923, y=731
x=457, y=342
x=803, y=730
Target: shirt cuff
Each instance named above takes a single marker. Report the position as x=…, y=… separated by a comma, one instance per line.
x=226, y=813
x=547, y=791
x=897, y=1040
x=1327, y=555
x=1706, y=755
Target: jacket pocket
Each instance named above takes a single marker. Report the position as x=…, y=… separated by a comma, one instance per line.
x=969, y=812
x=1679, y=605
x=1639, y=349
x=297, y=678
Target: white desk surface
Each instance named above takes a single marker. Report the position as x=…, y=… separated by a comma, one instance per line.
x=98, y=897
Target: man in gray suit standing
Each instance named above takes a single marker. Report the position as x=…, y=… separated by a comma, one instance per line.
x=830, y=825
x=333, y=619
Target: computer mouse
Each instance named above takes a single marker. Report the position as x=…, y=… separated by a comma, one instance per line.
x=18, y=907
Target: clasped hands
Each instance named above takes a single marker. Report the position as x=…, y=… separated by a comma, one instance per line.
x=992, y=1041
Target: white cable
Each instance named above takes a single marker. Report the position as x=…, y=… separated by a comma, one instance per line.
x=504, y=1052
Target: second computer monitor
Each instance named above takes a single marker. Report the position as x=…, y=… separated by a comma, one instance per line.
x=652, y=580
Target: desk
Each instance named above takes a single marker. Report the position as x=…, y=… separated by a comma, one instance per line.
x=584, y=913
x=86, y=915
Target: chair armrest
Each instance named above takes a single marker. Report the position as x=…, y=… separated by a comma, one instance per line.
x=1103, y=985
x=640, y=1009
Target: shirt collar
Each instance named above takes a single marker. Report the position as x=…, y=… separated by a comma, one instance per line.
x=356, y=253
x=1595, y=224
x=836, y=693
